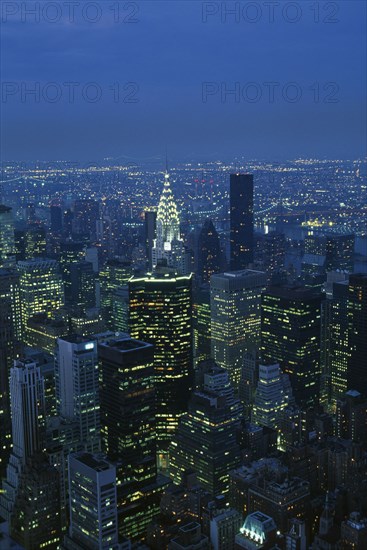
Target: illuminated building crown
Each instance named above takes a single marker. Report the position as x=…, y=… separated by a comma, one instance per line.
x=168, y=223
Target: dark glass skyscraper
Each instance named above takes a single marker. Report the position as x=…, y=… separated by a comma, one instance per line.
x=290, y=336
x=357, y=320
x=161, y=314
x=241, y=220
x=128, y=429
x=209, y=252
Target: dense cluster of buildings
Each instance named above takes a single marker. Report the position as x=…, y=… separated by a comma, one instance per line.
x=170, y=389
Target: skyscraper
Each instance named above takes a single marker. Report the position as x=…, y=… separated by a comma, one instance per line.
x=129, y=429
x=335, y=343
x=290, y=336
x=28, y=416
x=201, y=318
x=150, y=218
x=357, y=321
x=70, y=252
x=168, y=245
x=36, y=517
x=56, y=218
x=77, y=385
x=41, y=287
x=10, y=325
x=161, y=314
x=241, y=220
x=113, y=277
x=7, y=243
x=272, y=254
x=235, y=317
x=83, y=285
x=209, y=251
x=273, y=395
x=206, y=437
x=93, y=504
x=86, y=214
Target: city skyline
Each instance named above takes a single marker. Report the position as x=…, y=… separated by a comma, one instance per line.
x=246, y=102
x=183, y=275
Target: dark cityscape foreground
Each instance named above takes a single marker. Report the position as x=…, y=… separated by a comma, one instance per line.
x=183, y=356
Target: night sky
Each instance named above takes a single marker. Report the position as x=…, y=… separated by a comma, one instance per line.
x=160, y=56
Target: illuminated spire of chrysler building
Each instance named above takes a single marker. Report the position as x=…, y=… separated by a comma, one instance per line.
x=168, y=245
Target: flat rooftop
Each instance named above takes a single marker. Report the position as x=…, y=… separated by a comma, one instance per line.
x=92, y=461
x=125, y=344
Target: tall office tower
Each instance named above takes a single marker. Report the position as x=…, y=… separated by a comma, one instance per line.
x=113, y=276
x=56, y=218
x=273, y=395
x=86, y=214
x=83, y=285
x=334, y=344
x=36, y=517
x=272, y=254
x=34, y=241
x=10, y=325
x=27, y=416
x=150, y=219
x=235, y=317
x=290, y=335
x=41, y=287
x=241, y=198
x=129, y=430
x=71, y=252
x=357, y=321
x=93, y=504
x=77, y=387
x=340, y=252
x=168, y=245
x=161, y=314
x=206, y=438
x=209, y=252
x=7, y=242
x=201, y=318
